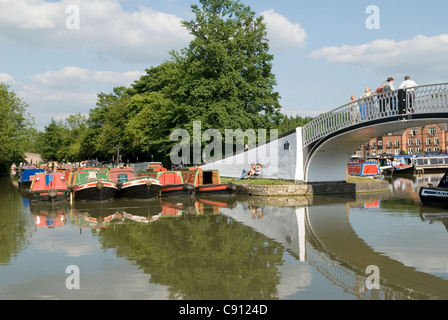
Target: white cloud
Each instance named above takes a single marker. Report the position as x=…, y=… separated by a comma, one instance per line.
x=70, y=90
x=282, y=33
x=419, y=54
x=72, y=77
x=6, y=78
x=140, y=36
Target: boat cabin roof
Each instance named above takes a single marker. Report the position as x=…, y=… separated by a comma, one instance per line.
x=123, y=174
x=46, y=181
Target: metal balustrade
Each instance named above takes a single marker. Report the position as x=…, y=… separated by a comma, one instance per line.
x=432, y=98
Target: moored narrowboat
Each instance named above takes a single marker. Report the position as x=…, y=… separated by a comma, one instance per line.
x=92, y=184
x=207, y=182
x=173, y=183
x=133, y=187
x=49, y=187
x=363, y=168
x=435, y=195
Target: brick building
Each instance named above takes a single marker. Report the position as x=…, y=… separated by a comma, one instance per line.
x=430, y=139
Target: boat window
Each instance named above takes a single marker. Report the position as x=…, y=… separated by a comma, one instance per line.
x=123, y=177
x=420, y=161
x=440, y=161
x=446, y=160
x=433, y=161
x=91, y=176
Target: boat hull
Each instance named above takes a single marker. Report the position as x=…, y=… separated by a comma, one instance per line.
x=178, y=190
x=95, y=191
x=216, y=189
x=407, y=169
x=434, y=196
x=50, y=195
x=140, y=189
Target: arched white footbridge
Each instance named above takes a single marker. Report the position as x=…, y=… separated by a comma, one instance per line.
x=319, y=151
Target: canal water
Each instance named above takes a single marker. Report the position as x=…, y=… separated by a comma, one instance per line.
x=380, y=246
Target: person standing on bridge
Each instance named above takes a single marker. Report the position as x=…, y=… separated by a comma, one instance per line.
x=365, y=105
x=381, y=98
x=354, y=109
x=409, y=85
x=387, y=90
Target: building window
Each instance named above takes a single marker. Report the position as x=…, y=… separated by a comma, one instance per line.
x=389, y=144
x=418, y=142
x=432, y=131
x=410, y=151
x=418, y=150
x=410, y=142
x=428, y=149
x=436, y=141
x=397, y=143
x=414, y=132
x=428, y=141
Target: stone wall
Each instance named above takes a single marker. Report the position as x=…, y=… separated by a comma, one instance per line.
x=315, y=188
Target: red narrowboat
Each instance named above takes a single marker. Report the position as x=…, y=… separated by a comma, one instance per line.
x=208, y=182
x=49, y=187
x=173, y=183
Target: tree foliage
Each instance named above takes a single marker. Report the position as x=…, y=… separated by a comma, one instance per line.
x=14, y=128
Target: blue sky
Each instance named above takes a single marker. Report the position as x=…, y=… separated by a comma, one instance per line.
x=323, y=50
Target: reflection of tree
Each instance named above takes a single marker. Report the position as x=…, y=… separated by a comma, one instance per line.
x=14, y=226
x=202, y=258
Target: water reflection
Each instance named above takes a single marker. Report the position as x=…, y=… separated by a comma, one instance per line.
x=241, y=248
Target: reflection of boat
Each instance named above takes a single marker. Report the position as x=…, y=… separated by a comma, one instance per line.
x=92, y=184
x=49, y=187
x=85, y=221
x=434, y=214
x=435, y=195
x=207, y=182
x=49, y=214
x=49, y=221
x=130, y=186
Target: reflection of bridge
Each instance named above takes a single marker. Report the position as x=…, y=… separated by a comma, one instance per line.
x=319, y=151
x=323, y=236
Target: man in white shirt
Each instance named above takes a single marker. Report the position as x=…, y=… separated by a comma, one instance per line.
x=408, y=83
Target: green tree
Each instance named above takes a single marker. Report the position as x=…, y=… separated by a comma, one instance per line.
x=15, y=124
x=149, y=130
x=224, y=78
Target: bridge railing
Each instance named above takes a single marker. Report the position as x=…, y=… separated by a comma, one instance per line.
x=430, y=98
